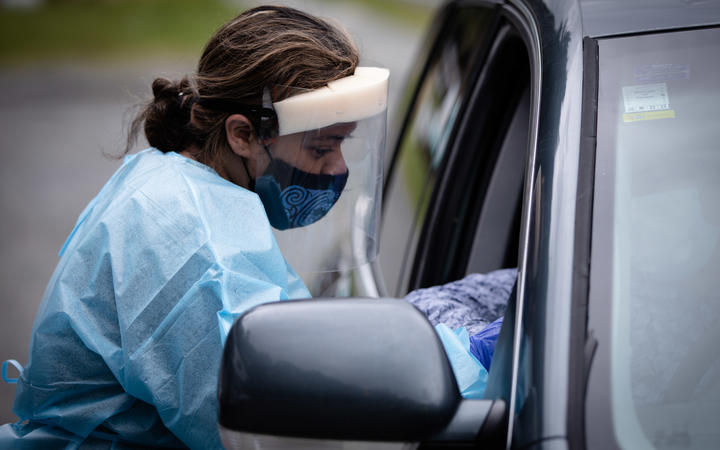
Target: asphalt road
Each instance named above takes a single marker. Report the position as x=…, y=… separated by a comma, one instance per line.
x=56, y=124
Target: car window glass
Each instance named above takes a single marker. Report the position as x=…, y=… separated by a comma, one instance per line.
x=422, y=147
x=657, y=210
x=495, y=244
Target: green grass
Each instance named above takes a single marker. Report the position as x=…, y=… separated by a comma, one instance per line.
x=405, y=12
x=121, y=29
x=106, y=29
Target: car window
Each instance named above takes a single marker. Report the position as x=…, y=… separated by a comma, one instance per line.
x=474, y=211
x=654, y=287
x=495, y=244
x=423, y=144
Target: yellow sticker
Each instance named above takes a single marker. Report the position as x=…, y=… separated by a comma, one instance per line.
x=649, y=115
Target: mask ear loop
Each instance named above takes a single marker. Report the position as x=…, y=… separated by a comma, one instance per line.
x=251, y=180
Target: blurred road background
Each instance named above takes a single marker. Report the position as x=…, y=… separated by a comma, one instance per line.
x=71, y=72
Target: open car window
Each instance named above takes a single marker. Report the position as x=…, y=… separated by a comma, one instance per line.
x=474, y=210
x=424, y=142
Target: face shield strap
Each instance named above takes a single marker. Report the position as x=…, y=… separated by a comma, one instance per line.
x=263, y=119
x=251, y=180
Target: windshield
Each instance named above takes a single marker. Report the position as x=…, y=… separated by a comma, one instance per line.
x=655, y=281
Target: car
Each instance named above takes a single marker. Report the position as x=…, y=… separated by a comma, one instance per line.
x=576, y=140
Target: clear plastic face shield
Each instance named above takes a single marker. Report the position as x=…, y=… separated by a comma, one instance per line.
x=320, y=175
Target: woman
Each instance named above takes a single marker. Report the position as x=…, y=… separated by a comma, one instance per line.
x=127, y=342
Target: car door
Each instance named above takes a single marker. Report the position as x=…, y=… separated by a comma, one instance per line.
x=470, y=192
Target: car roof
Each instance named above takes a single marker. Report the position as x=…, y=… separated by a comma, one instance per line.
x=615, y=17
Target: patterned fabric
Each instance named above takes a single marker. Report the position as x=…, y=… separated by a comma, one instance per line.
x=307, y=206
x=472, y=302
x=293, y=198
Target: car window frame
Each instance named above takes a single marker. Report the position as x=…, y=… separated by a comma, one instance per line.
x=582, y=342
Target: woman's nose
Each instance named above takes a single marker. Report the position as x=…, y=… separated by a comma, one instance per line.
x=335, y=163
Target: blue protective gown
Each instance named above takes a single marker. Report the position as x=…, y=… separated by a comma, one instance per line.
x=127, y=343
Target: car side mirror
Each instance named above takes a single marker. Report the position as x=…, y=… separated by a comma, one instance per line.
x=344, y=369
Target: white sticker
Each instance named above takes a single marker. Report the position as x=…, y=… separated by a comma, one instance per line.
x=648, y=73
x=646, y=97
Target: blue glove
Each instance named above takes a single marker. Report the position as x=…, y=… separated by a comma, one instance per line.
x=482, y=345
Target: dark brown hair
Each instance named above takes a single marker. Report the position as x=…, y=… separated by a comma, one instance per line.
x=263, y=47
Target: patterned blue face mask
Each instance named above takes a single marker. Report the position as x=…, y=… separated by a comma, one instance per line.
x=293, y=198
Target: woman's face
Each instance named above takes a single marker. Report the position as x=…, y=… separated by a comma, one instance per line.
x=318, y=151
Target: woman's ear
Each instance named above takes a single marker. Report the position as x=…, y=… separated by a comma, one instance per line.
x=240, y=134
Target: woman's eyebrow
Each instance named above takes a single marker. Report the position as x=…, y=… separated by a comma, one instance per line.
x=334, y=137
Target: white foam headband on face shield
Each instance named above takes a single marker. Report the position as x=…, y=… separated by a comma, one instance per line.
x=349, y=99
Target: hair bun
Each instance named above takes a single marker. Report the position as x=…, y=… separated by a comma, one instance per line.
x=167, y=117
x=165, y=89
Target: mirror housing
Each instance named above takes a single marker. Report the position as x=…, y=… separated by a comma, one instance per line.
x=349, y=369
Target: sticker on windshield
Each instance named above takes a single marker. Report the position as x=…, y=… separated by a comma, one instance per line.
x=646, y=102
x=653, y=73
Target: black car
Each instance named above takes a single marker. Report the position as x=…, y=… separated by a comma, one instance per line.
x=578, y=141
